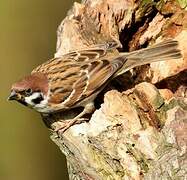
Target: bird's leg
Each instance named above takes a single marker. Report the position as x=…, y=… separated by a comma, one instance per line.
x=63, y=125
x=88, y=109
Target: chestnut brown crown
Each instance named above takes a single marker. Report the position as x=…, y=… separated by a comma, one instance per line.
x=36, y=82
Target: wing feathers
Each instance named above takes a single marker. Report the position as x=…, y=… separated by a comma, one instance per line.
x=79, y=74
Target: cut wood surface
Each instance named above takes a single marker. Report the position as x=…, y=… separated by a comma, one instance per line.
x=139, y=130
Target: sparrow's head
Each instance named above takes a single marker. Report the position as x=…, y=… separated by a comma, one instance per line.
x=31, y=90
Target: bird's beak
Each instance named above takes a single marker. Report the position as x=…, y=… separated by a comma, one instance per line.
x=13, y=96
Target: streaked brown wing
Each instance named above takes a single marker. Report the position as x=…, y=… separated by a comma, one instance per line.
x=93, y=76
x=78, y=74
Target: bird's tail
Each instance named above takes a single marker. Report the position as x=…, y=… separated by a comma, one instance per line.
x=165, y=50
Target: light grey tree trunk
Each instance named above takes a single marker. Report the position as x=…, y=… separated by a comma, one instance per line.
x=140, y=130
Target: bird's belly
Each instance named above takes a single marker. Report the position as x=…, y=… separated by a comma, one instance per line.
x=49, y=108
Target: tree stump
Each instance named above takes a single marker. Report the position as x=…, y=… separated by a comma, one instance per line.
x=139, y=130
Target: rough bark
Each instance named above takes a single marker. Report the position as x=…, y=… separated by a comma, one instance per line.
x=139, y=131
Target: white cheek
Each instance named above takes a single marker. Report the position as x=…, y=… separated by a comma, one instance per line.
x=29, y=99
x=40, y=107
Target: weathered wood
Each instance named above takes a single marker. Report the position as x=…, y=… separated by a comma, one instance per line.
x=140, y=133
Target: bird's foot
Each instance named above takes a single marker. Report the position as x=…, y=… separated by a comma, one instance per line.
x=62, y=126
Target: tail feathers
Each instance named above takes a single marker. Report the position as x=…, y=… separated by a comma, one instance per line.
x=165, y=50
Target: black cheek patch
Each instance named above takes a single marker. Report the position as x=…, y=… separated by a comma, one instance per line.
x=38, y=100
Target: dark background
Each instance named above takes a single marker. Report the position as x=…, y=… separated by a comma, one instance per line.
x=27, y=38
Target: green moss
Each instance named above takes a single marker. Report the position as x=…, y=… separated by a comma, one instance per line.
x=162, y=117
x=104, y=167
x=146, y=3
x=162, y=111
x=173, y=103
x=182, y=3
x=158, y=101
x=145, y=8
x=138, y=157
x=182, y=104
x=160, y=4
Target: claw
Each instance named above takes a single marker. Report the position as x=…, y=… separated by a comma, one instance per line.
x=62, y=126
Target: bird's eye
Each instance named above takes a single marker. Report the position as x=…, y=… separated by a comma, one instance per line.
x=28, y=92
